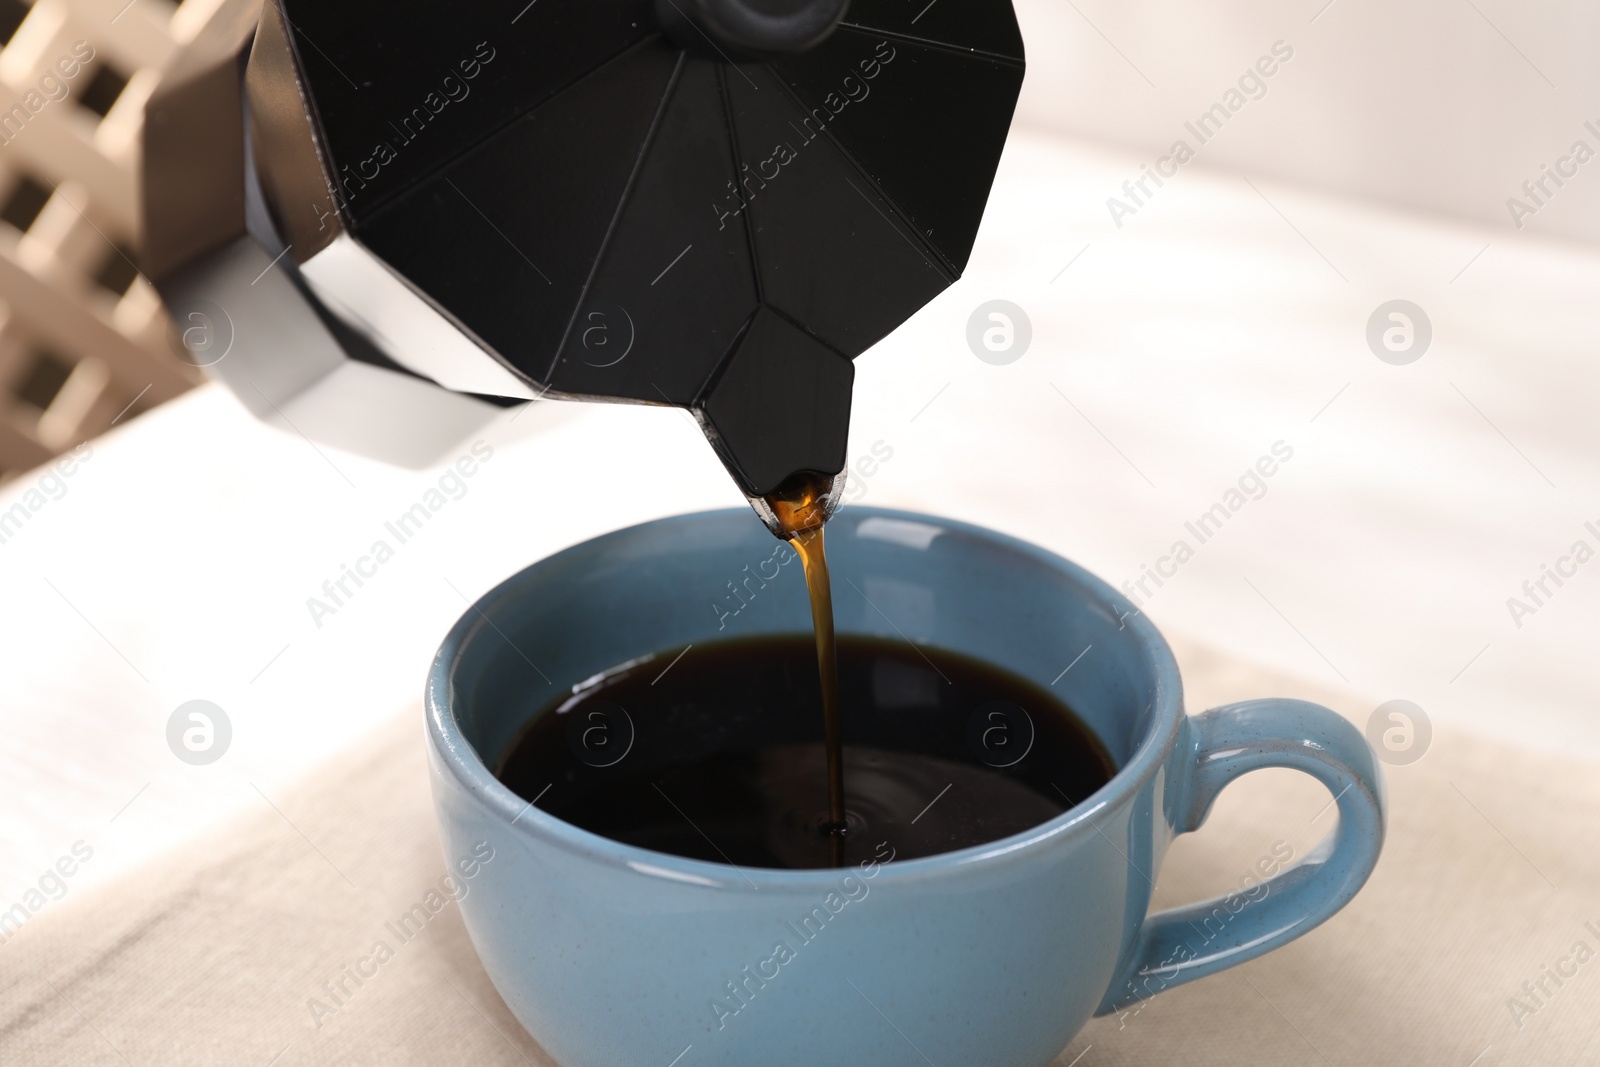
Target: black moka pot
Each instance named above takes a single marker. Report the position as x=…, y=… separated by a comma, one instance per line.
x=713, y=204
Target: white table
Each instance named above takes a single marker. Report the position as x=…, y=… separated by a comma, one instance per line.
x=1168, y=357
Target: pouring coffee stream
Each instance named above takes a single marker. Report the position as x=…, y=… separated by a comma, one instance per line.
x=801, y=507
x=398, y=225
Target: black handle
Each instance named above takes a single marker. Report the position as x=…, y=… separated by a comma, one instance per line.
x=750, y=29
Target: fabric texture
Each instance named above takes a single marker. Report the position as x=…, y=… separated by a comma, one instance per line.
x=222, y=952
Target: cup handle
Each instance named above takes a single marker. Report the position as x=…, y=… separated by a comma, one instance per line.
x=1182, y=944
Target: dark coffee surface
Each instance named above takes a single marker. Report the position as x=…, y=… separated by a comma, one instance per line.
x=721, y=758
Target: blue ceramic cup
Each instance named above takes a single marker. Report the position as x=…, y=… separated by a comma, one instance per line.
x=612, y=954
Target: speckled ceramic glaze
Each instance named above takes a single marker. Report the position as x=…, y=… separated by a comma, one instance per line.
x=995, y=955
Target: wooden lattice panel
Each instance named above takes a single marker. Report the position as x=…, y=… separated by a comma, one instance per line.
x=84, y=341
